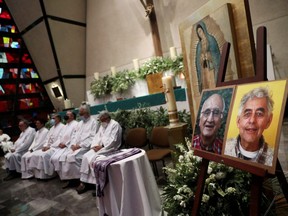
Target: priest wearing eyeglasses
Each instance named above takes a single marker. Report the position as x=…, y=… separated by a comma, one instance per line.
x=210, y=120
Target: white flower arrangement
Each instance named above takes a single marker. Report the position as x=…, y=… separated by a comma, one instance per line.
x=5, y=142
x=6, y=145
x=226, y=189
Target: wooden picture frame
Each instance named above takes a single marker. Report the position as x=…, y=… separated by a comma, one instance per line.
x=248, y=131
x=204, y=41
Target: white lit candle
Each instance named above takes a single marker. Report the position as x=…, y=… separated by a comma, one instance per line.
x=67, y=104
x=173, y=53
x=96, y=75
x=169, y=93
x=173, y=81
x=136, y=64
x=113, y=70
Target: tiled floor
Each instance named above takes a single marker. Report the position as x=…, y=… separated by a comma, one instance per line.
x=32, y=197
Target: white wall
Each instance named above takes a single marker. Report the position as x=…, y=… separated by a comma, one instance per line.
x=118, y=31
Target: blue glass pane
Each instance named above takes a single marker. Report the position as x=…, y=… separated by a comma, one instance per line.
x=28, y=73
x=8, y=28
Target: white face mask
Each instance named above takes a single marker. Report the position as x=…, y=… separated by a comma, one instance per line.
x=83, y=118
x=52, y=122
x=104, y=124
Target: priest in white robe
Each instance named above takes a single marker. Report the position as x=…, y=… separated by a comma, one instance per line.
x=37, y=144
x=107, y=139
x=64, y=141
x=20, y=147
x=40, y=160
x=80, y=143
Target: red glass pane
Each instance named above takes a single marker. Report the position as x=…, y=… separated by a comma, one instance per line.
x=30, y=88
x=26, y=59
x=29, y=103
x=4, y=14
x=5, y=106
x=7, y=89
x=9, y=57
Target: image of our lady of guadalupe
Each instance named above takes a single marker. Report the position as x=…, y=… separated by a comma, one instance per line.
x=207, y=58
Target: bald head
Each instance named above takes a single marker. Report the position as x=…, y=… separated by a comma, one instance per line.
x=210, y=118
x=214, y=101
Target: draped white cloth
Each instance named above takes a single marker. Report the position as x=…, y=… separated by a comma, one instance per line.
x=132, y=189
x=40, y=160
x=65, y=138
x=21, y=146
x=110, y=138
x=71, y=160
x=38, y=142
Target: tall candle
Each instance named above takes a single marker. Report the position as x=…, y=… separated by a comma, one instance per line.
x=96, y=76
x=173, y=53
x=169, y=93
x=136, y=64
x=113, y=70
x=67, y=104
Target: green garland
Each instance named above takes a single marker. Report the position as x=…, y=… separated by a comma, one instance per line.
x=123, y=80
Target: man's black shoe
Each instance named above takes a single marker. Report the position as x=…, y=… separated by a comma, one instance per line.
x=12, y=175
x=81, y=188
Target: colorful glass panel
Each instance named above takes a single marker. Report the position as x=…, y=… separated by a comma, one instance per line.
x=29, y=88
x=10, y=42
x=8, y=73
x=8, y=28
x=28, y=73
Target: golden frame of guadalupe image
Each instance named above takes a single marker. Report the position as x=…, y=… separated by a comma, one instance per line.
x=202, y=44
x=209, y=129
x=253, y=129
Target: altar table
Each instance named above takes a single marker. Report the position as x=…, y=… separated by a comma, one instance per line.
x=131, y=190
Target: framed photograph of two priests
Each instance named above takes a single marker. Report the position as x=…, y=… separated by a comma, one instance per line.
x=242, y=122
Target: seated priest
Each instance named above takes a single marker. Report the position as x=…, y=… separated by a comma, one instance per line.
x=80, y=143
x=20, y=147
x=40, y=160
x=64, y=141
x=37, y=144
x=107, y=139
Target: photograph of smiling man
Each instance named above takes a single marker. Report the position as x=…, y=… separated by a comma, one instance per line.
x=255, y=123
x=211, y=119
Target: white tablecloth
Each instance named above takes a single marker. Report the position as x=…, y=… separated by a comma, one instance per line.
x=132, y=189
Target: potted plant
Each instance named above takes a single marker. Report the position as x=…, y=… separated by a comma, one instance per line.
x=152, y=71
x=123, y=81
x=101, y=86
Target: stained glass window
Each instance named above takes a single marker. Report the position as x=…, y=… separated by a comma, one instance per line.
x=22, y=93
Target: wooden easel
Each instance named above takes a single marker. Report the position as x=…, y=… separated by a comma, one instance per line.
x=258, y=174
